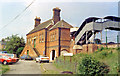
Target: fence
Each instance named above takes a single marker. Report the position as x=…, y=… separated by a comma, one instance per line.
x=67, y=65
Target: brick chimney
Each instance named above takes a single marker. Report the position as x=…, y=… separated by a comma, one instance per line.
x=37, y=21
x=56, y=15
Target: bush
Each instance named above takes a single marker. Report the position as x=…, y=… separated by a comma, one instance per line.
x=100, y=49
x=104, y=54
x=118, y=49
x=90, y=65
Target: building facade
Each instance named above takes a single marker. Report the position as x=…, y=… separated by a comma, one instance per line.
x=2, y=45
x=50, y=38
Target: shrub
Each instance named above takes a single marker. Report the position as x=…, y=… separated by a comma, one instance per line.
x=118, y=68
x=118, y=49
x=90, y=65
x=104, y=54
x=100, y=49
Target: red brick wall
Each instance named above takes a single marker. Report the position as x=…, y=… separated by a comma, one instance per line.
x=52, y=42
x=40, y=45
x=65, y=39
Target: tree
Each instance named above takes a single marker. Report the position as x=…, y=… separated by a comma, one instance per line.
x=3, y=40
x=19, y=50
x=14, y=42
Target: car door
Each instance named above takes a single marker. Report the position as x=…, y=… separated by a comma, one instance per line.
x=0, y=57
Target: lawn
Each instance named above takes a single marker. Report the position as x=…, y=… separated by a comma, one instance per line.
x=109, y=56
x=3, y=68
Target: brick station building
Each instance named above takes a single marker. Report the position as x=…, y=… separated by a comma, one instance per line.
x=50, y=38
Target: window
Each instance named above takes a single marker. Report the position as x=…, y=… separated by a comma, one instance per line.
x=51, y=37
x=32, y=42
x=55, y=36
x=40, y=38
x=28, y=40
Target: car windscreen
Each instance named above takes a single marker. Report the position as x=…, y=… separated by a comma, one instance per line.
x=0, y=56
x=41, y=56
x=11, y=55
x=6, y=57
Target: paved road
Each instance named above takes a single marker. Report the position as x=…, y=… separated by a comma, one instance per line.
x=24, y=67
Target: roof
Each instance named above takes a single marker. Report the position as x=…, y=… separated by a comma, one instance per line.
x=61, y=24
x=49, y=22
x=77, y=47
x=88, y=20
x=113, y=18
x=41, y=26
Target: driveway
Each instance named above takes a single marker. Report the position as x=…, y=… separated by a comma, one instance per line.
x=24, y=67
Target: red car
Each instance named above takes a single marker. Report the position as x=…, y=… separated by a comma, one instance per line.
x=5, y=59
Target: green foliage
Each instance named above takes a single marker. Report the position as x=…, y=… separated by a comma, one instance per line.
x=90, y=65
x=100, y=49
x=13, y=43
x=104, y=54
x=19, y=50
x=118, y=68
x=103, y=48
x=4, y=68
x=109, y=56
x=118, y=49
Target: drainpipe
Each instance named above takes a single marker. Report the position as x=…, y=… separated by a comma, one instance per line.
x=59, y=40
x=45, y=41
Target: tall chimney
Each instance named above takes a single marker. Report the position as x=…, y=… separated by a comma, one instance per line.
x=37, y=21
x=56, y=15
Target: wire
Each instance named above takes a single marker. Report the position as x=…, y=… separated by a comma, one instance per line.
x=18, y=15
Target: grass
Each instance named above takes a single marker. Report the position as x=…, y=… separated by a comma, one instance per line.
x=3, y=68
x=108, y=56
x=44, y=71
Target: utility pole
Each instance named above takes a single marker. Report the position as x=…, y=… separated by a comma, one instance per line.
x=118, y=40
x=106, y=37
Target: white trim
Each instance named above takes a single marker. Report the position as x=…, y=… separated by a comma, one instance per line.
x=51, y=55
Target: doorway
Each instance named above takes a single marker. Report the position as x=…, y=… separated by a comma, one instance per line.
x=27, y=52
x=52, y=55
x=34, y=43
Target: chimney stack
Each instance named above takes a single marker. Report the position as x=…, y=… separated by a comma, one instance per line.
x=37, y=21
x=56, y=15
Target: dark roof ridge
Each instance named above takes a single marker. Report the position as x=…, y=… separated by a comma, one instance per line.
x=61, y=22
x=43, y=22
x=43, y=25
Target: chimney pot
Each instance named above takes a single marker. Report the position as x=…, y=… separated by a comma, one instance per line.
x=37, y=21
x=56, y=15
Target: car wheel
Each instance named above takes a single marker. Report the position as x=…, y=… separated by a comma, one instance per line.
x=36, y=61
x=40, y=61
x=5, y=63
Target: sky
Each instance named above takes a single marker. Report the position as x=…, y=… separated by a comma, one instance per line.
x=72, y=11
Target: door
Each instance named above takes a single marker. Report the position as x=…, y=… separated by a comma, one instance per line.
x=53, y=54
x=34, y=43
x=0, y=58
x=27, y=52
